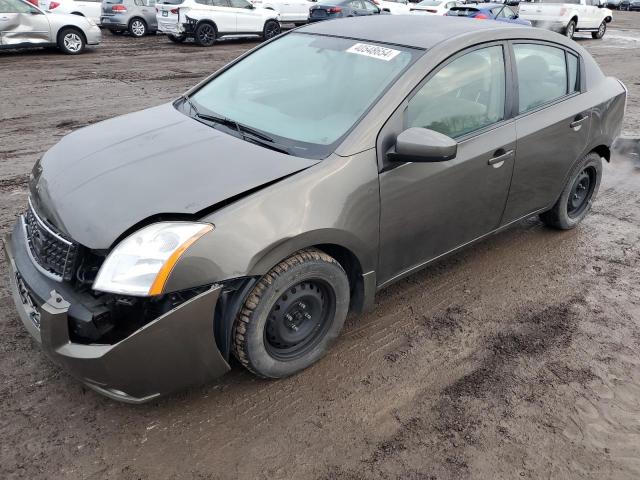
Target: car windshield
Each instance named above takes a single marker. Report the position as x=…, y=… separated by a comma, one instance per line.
x=429, y=3
x=305, y=90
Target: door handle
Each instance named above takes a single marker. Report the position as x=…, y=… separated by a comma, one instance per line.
x=499, y=157
x=577, y=122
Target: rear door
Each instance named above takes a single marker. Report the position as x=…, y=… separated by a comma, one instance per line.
x=247, y=21
x=21, y=23
x=428, y=209
x=553, y=121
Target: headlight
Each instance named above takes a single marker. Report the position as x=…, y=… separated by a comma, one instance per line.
x=142, y=262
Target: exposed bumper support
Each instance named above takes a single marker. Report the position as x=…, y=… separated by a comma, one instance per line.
x=174, y=351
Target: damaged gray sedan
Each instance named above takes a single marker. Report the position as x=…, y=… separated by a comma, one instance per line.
x=249, y=216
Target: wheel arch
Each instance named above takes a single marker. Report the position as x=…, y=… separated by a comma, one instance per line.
x=604, y=151
x=608, y=19
x=70, y=27
x=80, y=14
x=209, y=21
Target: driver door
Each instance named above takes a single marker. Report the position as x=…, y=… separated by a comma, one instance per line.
x=429, y=209
x=22, y=23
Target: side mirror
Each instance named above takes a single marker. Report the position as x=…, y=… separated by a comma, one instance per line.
x=422, y=145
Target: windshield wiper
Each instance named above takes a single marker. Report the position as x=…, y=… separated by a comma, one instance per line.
x=239, y=127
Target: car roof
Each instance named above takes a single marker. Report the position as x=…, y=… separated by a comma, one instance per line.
x=420, y=31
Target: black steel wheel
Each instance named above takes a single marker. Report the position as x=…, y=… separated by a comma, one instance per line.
x=206, y=34
x=578, y=194
x=292, y=315
x=271, y=29
x=299, y=319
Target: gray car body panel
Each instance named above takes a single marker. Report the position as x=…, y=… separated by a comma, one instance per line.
x=120, y=21
x=24, y=30
x=393, y=218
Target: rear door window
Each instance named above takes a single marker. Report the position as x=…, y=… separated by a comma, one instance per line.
x=542, y=75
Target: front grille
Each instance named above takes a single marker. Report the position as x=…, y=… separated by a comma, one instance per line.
x=51, y=253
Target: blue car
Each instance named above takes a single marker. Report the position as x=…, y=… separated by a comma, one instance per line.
x=486, y=11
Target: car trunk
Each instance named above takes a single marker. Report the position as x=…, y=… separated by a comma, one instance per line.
x=169, y=15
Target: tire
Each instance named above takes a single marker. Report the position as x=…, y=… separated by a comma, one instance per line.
x=578, y=194
x=570, y=29
x=176, y=38
x=206, y=34
x=138, y=27
x=292, y=315
x=601, y=31
x=271, y=29
x=71, y=41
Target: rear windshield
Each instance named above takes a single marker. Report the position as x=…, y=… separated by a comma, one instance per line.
x=330, y=2
x=112, y=2
x=309, y=108
x=576, y=2
x=462, y=11
x=170, y=2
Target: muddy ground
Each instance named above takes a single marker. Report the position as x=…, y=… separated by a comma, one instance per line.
x=517, y=358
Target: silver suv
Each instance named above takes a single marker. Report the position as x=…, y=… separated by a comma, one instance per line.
x=138, y=17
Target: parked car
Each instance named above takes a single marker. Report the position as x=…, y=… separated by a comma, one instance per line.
x=137, y=17
x=485, y=11
x=568, y=18
x=294, y=11
x=330, y=9
x=23, y=25
x=630, y=5
x=613, y=4
x=434, y=7
x=248, y=216
x=208, y=20
x=394, y=7
x=83, y=8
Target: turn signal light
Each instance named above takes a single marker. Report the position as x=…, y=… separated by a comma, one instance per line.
x=53, y=5
x=174, y=11
x=481, y=16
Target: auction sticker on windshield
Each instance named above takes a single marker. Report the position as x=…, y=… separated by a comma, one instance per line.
x=374, y=51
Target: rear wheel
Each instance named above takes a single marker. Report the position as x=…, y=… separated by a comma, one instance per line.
x=578, y=194
x=570, y=29
x=206, y=34
x=71, y=41
x=271, y=29
x=601, y=30
x=292, y=315
x=176, y=38
x=138, y=27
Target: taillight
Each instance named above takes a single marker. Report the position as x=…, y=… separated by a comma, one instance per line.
x=175, y=11
x=334, y=10
x=33, y=2
x=376, y=2
x=53, y=5
x=481, y=16
x=118, y=8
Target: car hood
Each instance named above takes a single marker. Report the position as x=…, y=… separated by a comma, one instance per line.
x=100, y=181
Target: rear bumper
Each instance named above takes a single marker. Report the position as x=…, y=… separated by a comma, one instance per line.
x=172, y=352
x=94, y=35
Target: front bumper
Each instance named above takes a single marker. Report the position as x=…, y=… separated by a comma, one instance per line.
x=172, y=352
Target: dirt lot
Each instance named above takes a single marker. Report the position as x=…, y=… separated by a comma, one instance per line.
x=518, y=358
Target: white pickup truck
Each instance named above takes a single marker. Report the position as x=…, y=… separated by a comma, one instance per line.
x=568, y=17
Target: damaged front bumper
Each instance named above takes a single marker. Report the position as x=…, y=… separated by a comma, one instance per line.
x=172, y=352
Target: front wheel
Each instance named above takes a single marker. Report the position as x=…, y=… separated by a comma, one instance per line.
x=71, y=41
x=570, y=29
x=137, y=28
x=601, y=31
x=271, y=29
x=292, y=315
x=578, y=194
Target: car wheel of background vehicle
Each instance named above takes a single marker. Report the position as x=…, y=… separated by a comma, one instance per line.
x=601, y=30
x=176, y=38
x=570, y=29
x=71, y=41
x=292, y=315
x=271, y=29
x=206, y=34
x=137, y=27
x=577, y=196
